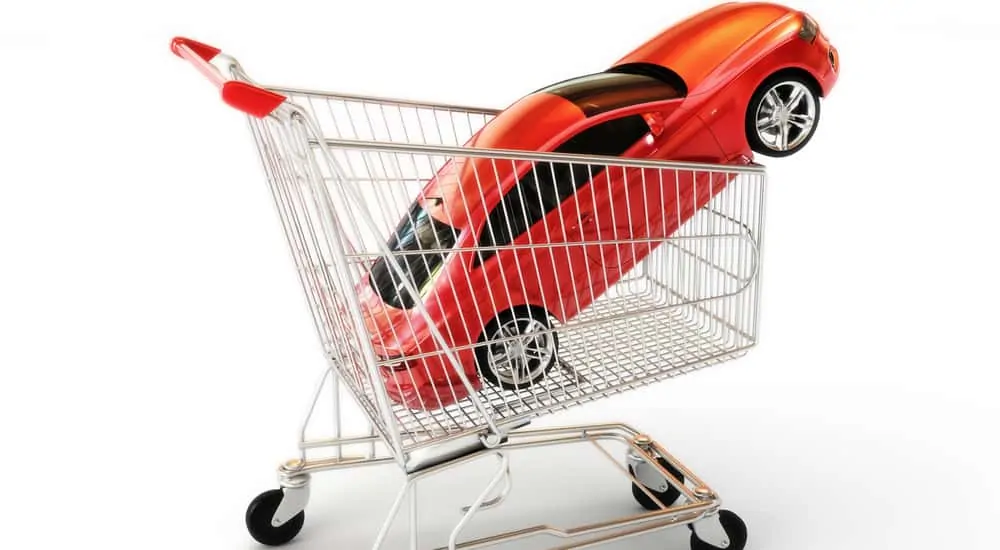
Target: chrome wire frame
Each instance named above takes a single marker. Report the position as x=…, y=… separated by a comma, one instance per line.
x=344, y=169
x=698, y=502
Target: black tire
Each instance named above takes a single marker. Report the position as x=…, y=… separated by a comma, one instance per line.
x=521, y=317
x=258, y=520
x=666, y=498
x=735, y=529
x=757, y=144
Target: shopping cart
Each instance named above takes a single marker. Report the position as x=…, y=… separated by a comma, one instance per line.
x=446, y=365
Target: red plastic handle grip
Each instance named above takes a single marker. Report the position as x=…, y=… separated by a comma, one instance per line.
x=250, y=99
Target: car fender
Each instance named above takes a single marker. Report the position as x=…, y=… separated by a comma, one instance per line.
x=727, y=96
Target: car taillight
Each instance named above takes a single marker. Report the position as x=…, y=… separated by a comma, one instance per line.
x=809, y=30
x=834, y=57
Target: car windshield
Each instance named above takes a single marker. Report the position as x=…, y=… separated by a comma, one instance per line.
x=620, y=87
x=417, y=231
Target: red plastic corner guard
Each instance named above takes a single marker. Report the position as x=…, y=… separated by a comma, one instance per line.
x=204, y=51
x=250, y=99
x=243, y=96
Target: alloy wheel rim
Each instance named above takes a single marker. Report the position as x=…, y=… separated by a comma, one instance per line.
x=786, y=116
x=525, y=349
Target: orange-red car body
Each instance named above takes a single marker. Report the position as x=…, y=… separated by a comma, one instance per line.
x=713, y=62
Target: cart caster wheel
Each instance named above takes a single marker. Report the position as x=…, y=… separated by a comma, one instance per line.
x=259, y=515
x=736, y=532
x=666, y=498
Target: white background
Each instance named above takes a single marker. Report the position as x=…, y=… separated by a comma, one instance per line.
x=156, y=356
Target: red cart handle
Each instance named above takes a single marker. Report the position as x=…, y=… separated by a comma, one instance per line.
x=250, y=99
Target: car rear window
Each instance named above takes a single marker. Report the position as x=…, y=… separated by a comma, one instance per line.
x=622, y=86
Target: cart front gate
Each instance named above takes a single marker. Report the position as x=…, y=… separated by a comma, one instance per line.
x=460, y=291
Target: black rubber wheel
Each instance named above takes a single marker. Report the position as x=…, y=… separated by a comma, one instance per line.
x=520, y=320
x=781, y=85
x=666, y=498
x=259, y=515
x=735, y=529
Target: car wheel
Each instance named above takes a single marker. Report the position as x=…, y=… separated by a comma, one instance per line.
x=783, y=115
x=517, y=348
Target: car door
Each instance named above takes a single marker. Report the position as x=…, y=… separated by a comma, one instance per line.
x=633, y=209
x=616, y=227
x=614, y=210
x=598, y=210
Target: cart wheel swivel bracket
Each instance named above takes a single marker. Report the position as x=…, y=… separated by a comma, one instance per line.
x=296, y=498
x=646, y=473
x=710, y=530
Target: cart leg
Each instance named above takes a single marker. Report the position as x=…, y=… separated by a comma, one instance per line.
x=414, y=527
x=497, y=500
x=503, y=472
x=393, y=513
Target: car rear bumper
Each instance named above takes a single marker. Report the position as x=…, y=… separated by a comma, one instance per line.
x=830, y=75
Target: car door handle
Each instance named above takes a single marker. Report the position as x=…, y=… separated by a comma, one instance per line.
x=584, y=219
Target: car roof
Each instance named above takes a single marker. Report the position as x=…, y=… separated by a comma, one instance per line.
x=697, y=45
x=526, y=125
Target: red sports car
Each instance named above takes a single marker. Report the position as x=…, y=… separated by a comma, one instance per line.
x=737, y=79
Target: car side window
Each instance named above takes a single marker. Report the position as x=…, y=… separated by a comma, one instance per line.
x=621, y=86
x=549, y=184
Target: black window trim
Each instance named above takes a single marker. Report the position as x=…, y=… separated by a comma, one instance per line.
x=595, y=94
x=384, y=279
x=516, y=201
x=658, y=72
